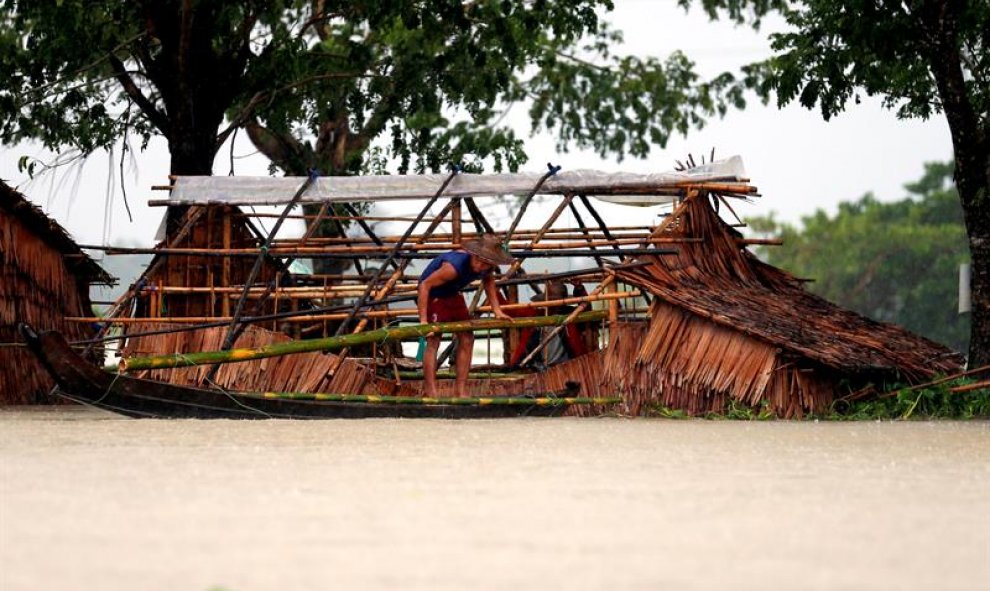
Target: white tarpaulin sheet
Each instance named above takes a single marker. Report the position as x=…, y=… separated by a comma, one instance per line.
x=279, y=190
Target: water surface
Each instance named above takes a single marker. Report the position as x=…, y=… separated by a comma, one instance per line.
x=92, y=501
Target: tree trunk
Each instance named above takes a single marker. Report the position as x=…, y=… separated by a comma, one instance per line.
x=974, y=191
x=939, y=22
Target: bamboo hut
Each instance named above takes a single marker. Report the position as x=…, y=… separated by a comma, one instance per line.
x=693, y=320
x=44, y=278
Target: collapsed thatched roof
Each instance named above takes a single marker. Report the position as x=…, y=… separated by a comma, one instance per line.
x=717, y=279
x=79, y=263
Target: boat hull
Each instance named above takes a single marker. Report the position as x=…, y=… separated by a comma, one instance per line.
x=82, y=382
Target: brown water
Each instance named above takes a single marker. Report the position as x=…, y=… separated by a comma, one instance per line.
x=91, y=501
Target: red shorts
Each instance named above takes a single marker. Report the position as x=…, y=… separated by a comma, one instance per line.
x=447, y=309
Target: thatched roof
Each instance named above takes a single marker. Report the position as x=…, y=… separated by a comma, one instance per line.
x=721, y=281
x=79, y=263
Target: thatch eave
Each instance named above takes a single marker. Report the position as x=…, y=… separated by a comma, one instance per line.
x=78, y=262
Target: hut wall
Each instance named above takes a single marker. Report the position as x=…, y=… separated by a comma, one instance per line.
x=218, y=229
x=36, y=287
x=686, y=362
x=304, y=372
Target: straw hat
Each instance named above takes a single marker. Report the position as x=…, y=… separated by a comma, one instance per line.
x=489, y=249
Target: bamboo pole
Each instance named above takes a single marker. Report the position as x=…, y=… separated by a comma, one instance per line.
x=299, y=249
x=225, y=273
x=587, y=234
x=455, y=221
x=564, y=233
x=235, y=329
x=545, y=251
x=338, y=342
x=392, y=254
x=740, y=188
x=352, y=217
x=389, y=313
x=229, y=339
x=480, y=223
x=427, y=401
x=573, y=316
x=551, y=170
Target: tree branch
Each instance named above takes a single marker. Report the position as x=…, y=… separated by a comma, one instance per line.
x=157, y=118
x=261, y=97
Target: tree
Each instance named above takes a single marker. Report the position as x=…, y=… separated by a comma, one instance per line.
x=315, y=83
x=894, y=262
x=925, y=57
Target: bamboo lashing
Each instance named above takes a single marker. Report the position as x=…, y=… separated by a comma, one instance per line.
x=340, y=342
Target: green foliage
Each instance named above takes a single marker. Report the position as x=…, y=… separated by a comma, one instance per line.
x=894, y=262
x=923, y=57
x=937, y=402
x=837, y=50
x=365, y=86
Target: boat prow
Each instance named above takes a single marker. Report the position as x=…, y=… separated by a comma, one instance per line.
x=82, y=382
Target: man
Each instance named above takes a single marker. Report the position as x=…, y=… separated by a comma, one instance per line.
x=572, y=342
x=439, y=299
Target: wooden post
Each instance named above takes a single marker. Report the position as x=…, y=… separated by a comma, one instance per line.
x=455, y=220
x=613, y=307
x=225, y=281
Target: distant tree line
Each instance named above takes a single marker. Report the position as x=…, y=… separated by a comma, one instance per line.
x=895, y=262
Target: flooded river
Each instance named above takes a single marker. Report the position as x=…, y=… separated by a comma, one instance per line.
x=89, y=501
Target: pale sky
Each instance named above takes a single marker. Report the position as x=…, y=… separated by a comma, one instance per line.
x=799, y=162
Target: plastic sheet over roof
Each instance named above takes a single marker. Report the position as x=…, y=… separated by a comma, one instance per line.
x=627, y=188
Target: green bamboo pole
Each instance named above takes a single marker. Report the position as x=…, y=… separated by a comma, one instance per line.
x=486, y=401
x=344, y=341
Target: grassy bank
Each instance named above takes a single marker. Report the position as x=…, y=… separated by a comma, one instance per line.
x=957, y=400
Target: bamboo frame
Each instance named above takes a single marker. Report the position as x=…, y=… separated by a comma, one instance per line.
x=333, y=343
x=388, y=313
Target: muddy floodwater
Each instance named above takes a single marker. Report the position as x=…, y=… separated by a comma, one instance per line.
x=90, y=501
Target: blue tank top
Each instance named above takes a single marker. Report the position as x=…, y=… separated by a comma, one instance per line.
x=461, y=262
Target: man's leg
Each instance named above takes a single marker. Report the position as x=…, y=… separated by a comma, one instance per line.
x=465, y=346
x=430, y=366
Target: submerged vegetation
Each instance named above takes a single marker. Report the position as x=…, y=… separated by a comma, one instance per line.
x=958, y=399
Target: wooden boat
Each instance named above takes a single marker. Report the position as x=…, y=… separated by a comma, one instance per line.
x=80, y=381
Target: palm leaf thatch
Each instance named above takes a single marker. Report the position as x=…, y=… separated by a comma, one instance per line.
x=724, y=325
x=44, y=278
